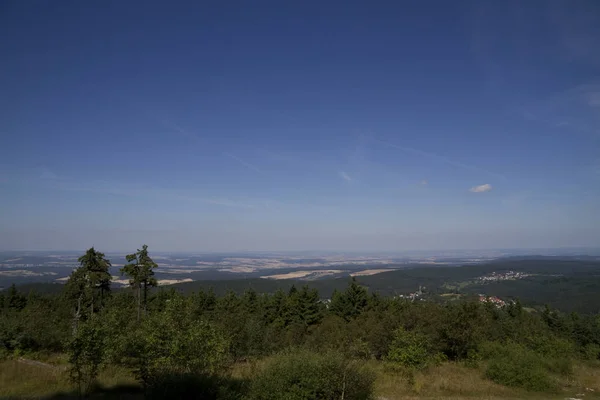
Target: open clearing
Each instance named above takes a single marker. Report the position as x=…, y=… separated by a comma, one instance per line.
x=447, y=381
x=368, y=272
x=303, y=274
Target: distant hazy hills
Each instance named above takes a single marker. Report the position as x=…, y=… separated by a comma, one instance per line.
x=568, y=284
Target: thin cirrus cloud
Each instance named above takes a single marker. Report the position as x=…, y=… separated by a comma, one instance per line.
x=439, y=158
x=481, y=188
x=133, y=190
x=575, y=109
x=47, y=174
x=345, y=176
x=243, y=162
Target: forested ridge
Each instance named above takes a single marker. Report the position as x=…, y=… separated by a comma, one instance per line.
x=175, y=343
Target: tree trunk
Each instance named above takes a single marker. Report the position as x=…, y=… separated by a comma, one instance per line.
x=77, y=316
x=145, y=297
x=139, y=301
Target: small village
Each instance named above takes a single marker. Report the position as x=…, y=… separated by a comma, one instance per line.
x=493, y=300
x=503, y=276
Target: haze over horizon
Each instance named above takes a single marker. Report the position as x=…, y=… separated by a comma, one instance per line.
x=194, y=126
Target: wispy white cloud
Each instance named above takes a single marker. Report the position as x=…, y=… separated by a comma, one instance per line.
x=596, y=167
x=168, y=195
x=243, y=162
x=47, y=174
x=228, y=203
x=575, y=109
x=439, y=158
x=345, y=176
x=481, y=188
x=275, y=156
x=180, y=130
x=424, y=182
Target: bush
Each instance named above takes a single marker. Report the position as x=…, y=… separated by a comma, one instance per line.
x=551, y=347
x=412, y=350
x=591, y=352
x=516, y=366
x=169, y=345
x=562, y=366
x=86, y=353
x=304, y=375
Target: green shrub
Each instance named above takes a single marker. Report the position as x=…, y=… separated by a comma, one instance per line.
x=412, y=350
x=562, y=366
x=306, y=376
x=514, y=365
x=169, y=345
x=472, y=359
x=86, y=353
x=551, y=347
x=591, y=352
x=521, y=373
x=557, y=353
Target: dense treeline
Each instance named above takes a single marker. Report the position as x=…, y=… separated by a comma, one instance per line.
x=563, y=284
x=164, y=335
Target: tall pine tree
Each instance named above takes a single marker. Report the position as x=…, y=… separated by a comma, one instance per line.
x=89, y=285
x=140, y=270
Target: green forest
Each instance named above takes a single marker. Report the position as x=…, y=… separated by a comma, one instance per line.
x=90, y=340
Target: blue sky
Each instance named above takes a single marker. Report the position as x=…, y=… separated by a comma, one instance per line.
x=217, y=126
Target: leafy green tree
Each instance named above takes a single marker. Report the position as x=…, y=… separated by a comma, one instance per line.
x=462, y=328
x=171, y=342
x=140, y=270
x=412, y=349
x=86, y=353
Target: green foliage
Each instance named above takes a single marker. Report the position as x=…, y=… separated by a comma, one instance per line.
x=550, y=346
x=86, y=353
x=306, y=376
x=186, y=341
x=88, y=286
x=96, y=267
x=171, y=343
x=413, y=350
x=140, y=270
x=462, y=328
x=514, y=365
x=14, y=300
x=351, y=302
x=591, y=352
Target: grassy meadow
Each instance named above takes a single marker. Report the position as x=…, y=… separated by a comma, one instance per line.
x=449, y=380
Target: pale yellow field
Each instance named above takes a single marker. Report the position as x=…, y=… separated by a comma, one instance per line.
x=368, y=272
x=302, y=274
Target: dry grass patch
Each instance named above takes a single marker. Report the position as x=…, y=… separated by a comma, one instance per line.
x=23, y=381
x=18, y=380
x=587, y=376
x=447, y=381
